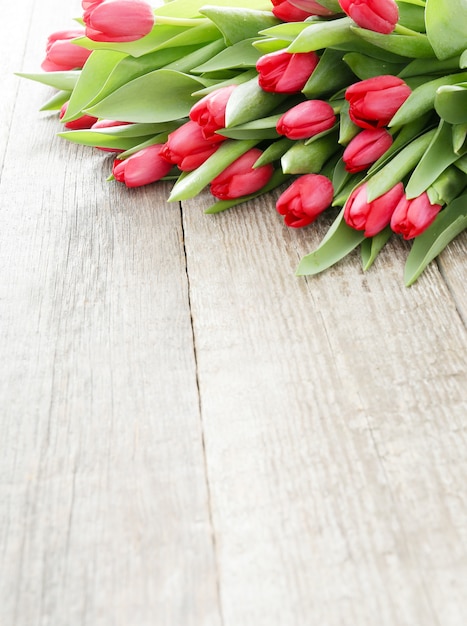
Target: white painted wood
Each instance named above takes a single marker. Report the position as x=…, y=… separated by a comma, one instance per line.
x=104, y=515
x=334, y=411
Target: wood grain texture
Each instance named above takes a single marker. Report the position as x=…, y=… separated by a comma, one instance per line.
x=335, y=407
x=192, y=436
x=104, y=515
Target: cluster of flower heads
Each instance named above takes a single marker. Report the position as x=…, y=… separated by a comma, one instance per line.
x=318, y=107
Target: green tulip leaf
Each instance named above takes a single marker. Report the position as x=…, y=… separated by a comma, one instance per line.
x=427, y=67
x=237, y=24
x=414, y=46
x=372, y=246
x=439, y=154
x=459, y=136
x=93, y=75
x=191, y=8
x=365, y=67
x=285, y=32
x=264, y=128
x=449, y=223
x=330, y=75
x=398, y=167
x=422, y=99
x=56, y=102
x=159, y=96
x=239, y=55
x=451, y=103
x=323, y=34
x=249, y=102
x=65, y=81
x=446, y=26
x=340, y=240
x=309, y=159
x=274, y=151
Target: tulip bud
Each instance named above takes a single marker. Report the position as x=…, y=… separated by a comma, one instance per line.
x=373, y=216
x=312, y=7
x=366, y=148
x=285, y=72
x=380, y=16
x=240, y=178
x=81, y=123
x=209, y=112
x=306, y=119
x=141, y=168
x=412, y=217
x=117, y=20
x=61, y=54
x=187, y=148
x=305, y=199
x=374, y=101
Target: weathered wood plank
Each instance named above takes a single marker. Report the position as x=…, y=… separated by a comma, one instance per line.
x=334, y=412
x=104, y=512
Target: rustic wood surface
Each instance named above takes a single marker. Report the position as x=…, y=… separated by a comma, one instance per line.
x=190, y=435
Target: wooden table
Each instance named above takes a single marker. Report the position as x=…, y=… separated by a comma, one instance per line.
x=191, y=435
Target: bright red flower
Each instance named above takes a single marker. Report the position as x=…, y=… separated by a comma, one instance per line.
x=285, y=72
x=209, y=112
x=240, y=179
x=61, y=54
x=305, y=199
x=187, y=148
x=117, y=20
x=141, y=168
x=380, y=16
x=412, y=217
x=290, y=11
x=366, y=148
x=372, y=216
x=81, y=123
x=374, y=101
x=312, y=7
x=306, y=119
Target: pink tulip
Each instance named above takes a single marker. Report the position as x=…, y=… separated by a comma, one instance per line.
x=285, y=72
x=312, y=7
x=61, y=54
x=380, y=16
x=305, y=199
x=240, y=179
x=306, y=119
x=289, y=11
x=187, y=148
x=366, y=148
x=374, y=101
x=81, y=123
x=372, y=216
x=412, y=217
x=117, y=20
x=141, y=168
x=209, y=112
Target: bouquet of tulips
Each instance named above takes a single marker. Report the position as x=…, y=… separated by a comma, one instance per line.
x=360, y=105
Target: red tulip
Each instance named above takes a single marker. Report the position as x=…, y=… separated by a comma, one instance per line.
x=366, y=148
x=285, y=72
x=289, y=11
x=312, y=7
x=141, y=168
x=61, y=54
x=374, y=101
x=305, y=199
x=372, y=216
x=380, y=16
x=306, y=119
x=117, y=20
x=240, y=179
x=187, y=148
x=412, y=217
x=209, y=112
x=81, y=123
